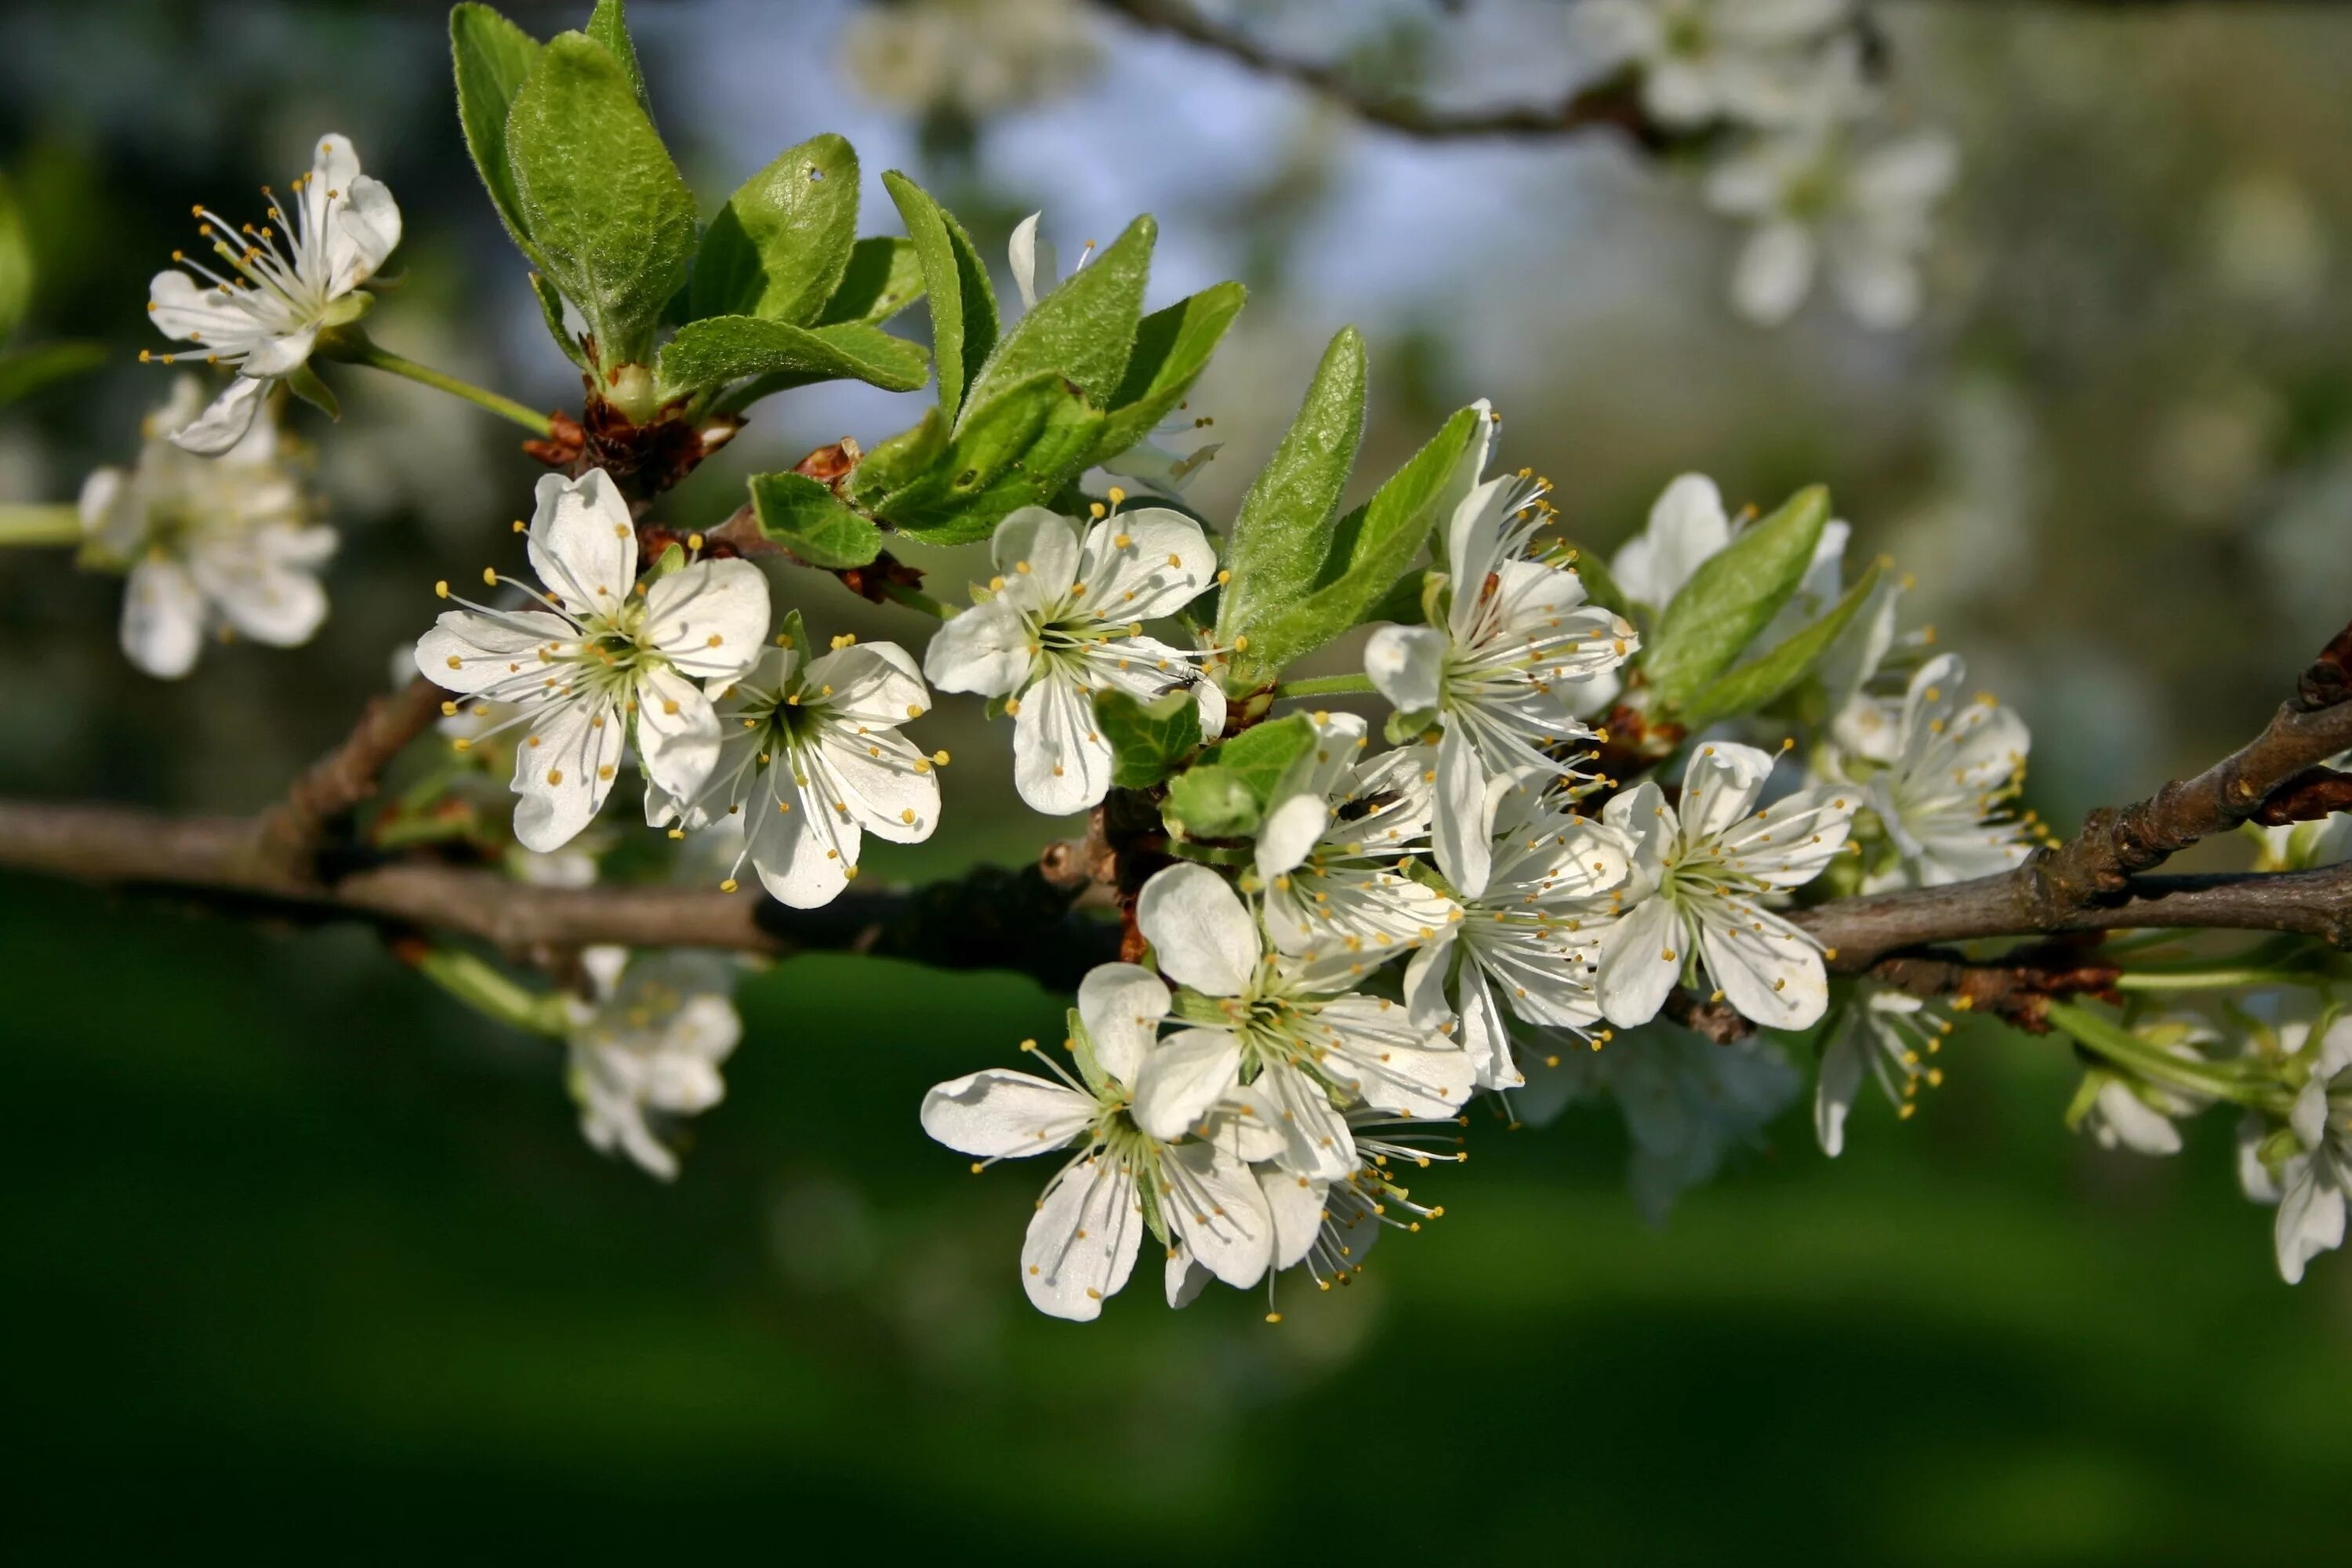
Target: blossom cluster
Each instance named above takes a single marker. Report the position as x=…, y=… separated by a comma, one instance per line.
x=1822, y=189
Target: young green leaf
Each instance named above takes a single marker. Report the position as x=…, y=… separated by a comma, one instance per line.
x=15, y=262
x=1372, y=548
x=806, y=518
x=1757, y=683
x=1148, y=741
x=1283, y=530
x=609, y=25
x=1084, y=330
x=884, y=277
x=717, y=350
x=1171, y=348
x=964, y=306
x=1599, y=587
x=492, y=57
x=899, y=460
x=1733, y=595
x=1225, y=795
x=599, y=195
x=550, y=309
x=1014, y=450
x=779, y=246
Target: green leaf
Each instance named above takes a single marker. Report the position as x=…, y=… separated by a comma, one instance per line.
x=898, y=461
x=1733, y=595
x=609, y=25
x=1371, y=550
x=303, y=381
x=964, y=306
x=1753, y=685
x=779, y=246
x=1082, y=1051
x=551, y=309
x=1599, y=587
x=883, y=278
x=717, y=350
x=27, y=370
x=15, y=262
x=1084, y=330
x=492, y=57
x=1147, y=740
x=1015, y=449
x=600, y=197
x=806, y=518
x=1171, y=348
x=1225, y=795
x=1283, y=532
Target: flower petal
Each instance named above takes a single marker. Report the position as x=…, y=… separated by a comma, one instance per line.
x=1641, y=959
x=1763, y=966
x=677, y=732
x=1201, y=933
x=997, y=1114
x=1036, y=554
x=1121, y=1005
x=1181, y=1078
x=1407, y=665
x=162, y=619
x=582, y=544
x=224, y=421
x=1214, y=1204
x=1061, y=763
x=1145, y=563
x=564, y=778
x=985, y=650
x=1082, y=1241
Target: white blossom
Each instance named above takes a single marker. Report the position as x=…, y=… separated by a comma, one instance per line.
x=1942, y=799
x=812, y=761
x=1499, y=674
x=1530, y=945
x=1083, y=1240
x=1755, y=62
x=651, y=1040
x=2307, y=1168
x=1814, y=199
x=1290, y=1028
x=1330, y=1226
x=1695, y=900
x=288, y=279
x=225, y=544
x=604, y=663
x=1330, y=847
x=1062, y=619
x=1879, y=1033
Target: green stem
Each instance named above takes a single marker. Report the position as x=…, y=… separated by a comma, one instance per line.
x=492, y=994
x=39, y=525
x=1324, y=686
x=368, y=353
x=916, y=599
x=2214, y=979
x=2215, y=1080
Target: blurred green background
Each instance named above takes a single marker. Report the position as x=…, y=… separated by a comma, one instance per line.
x=297, y=1249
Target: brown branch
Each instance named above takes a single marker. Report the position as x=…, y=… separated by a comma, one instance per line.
x=988, y=919
x=2096, y=881
x=1611, y=104
x=2016, y=988
x=290, y=832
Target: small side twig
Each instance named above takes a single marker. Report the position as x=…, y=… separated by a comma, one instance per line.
x=290, y=832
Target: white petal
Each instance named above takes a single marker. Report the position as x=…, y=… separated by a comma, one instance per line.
x=2128, y=1119
x=877, y=780
x=2253, y=1176
x=1184, y=1279
x=1201, y=933
x=1392, y=1065
x=1687, y=525
x=1034, y=263
x=1484, y=1036
x=1181, y=1077
x=874, y=683
x=582, y=543
x=677, y=732
x=162, y=619
x=1165, y=564
x=1878, y=282
x=1640, y=961
x=1425, y=977
x=2310, y=1216
x=1772, y=976
x=468, y=652
x=1061, y=763
x=280, y=353
x=1213, y=1203
x=711, y=619
x=1462, y=826
x=1316, y=1141
x=1121, y=1005
x=803, y=856
x=1720, y=786
x=224, y=424
x=1774, y=273
x=997, y=1114
x=1843, y=1064
x=985, y=650
x=1036, y=554
x=1407, y=665
x=564, y=779
x=1296, y=1205
x=1081, y=1244
x=260, y=587
x=180, y=307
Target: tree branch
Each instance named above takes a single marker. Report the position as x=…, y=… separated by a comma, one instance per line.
x=290, y=834
x=1611, y=104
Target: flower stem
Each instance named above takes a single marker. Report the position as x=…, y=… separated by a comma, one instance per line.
x=2231, y=979
x=38, y=525
x=492, y=994
x=368, y=353
x=916, y=599
x=2215, y=1080
x=1324, y=686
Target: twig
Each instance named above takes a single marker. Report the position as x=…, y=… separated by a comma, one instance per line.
x=290, y=832
x=1611, y=104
